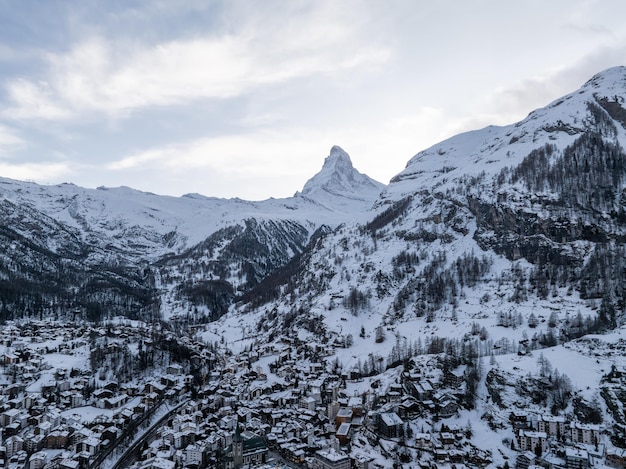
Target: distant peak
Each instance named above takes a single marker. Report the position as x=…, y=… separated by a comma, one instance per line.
x=339, y=178
x=338, y=160
x=337, y=152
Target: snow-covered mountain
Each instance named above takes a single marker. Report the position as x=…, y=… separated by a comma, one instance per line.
x=500, y=228
x=339, y=186
x=148, y=226
x=536, y=206
x=101, y=230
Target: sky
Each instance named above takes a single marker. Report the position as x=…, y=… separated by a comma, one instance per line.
x=245, y=98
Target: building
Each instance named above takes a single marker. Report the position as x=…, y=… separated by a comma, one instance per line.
x=525, y=460
x=552, y=425
x=14, y=444
x=247, y=449
x=37, y=460
x=584, y=433
x=330, y=459
x=533, y=441
x=616, y=457
x=343, y=433
x=390, y=424
x=576, y=458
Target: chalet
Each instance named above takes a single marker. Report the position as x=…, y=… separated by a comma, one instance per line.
x=446, y=439
x=454, y=378
x=519, y=420
x=526, y=459
x=447, y=408
x=10, y=359
x=175, y=370
x=423, y=440
x=616, y=457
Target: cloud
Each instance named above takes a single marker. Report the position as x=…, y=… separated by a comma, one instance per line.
x=262, y=152
x=512, y=103
x=40, y=172
x=117, y=77
x=9, y=140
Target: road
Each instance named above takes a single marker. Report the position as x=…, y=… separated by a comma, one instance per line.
x=132, y=452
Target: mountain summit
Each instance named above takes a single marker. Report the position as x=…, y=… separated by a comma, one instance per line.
x=338, y=178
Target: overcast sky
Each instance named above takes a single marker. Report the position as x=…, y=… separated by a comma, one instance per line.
x=245, y=98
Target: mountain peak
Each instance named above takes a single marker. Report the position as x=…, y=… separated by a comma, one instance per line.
x=610, y=77
x=337, y=152
x=337, y=161
x=338, y=178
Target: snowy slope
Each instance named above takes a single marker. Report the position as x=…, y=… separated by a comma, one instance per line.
x=148, y=226
x=493, y=148
x=469, y=236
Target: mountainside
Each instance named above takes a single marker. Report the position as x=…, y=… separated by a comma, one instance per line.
x=510, y=237
x=96, y=247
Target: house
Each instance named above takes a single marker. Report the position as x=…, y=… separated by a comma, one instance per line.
x=616, y=457
x=57, y=439
x=519, y=420
x=330, y=459
x=175, y=370
x=195, y=454
x=157, y=463
x=525, y=460
x=454, y=378
x=446, y=439
x=423, y=440
x=8, y=417
x=68, y=463
x=447, y=408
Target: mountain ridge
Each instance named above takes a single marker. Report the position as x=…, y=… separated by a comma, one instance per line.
x=237, y=242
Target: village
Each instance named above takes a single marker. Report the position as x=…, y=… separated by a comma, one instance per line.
x=77, y=396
